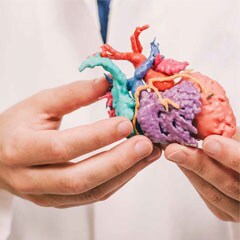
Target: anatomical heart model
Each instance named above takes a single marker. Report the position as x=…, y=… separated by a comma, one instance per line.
x=165, y=101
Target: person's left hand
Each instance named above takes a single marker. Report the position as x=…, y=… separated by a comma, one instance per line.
x=214, y=172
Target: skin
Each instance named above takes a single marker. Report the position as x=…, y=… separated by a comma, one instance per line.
x=214, y=173
x=35, y=155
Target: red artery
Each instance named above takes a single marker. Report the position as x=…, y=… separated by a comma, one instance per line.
x=109, y=104
x=136, y=58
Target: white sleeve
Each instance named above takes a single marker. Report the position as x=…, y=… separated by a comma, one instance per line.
x=5, y=214
x=235, y=230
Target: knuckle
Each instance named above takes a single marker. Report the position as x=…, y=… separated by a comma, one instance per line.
x=89, y=196
x=95, y=194
x=235, y=163
x=105, y=197
x=70, y=185
x=117, y=167
x=200, y=169
x=98, y=193
x=9, y=154
x=213, y=196
x=58, y=150
x=233, y=188
x=98, y=140
x=218, y=178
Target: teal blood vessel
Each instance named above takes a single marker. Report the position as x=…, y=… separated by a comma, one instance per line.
x=123, y=103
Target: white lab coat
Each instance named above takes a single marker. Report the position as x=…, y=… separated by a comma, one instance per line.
x=42, y=43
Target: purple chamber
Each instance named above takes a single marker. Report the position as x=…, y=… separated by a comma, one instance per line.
x=176, y=125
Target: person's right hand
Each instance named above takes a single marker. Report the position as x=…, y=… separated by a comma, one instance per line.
x=35, y=156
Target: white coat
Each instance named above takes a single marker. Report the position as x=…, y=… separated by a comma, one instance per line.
x=42, y=43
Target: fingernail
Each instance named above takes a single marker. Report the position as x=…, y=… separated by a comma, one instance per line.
x=177, y=156
x=143, y=148
x=155, y=153
x=98, y=80
x=125, y=128
x=212, y=147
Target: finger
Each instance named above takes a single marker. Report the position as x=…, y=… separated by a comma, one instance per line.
x=106, y=189
x=101, y=192
x=216, y=211
x=198, y=162
x=91, y=202
x=52, y=146
x=223, y=149
x=65, y=201
x=214, y=196
x=67, y=98
x=85, y=175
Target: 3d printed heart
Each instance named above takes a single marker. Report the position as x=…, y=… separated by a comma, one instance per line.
x=164, y=101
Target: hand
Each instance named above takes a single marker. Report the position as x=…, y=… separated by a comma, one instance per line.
x=214, y=172
x=34, y=155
